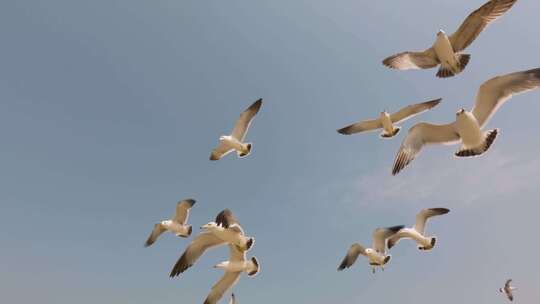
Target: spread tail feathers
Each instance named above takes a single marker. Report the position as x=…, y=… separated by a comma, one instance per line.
x=246, y=153
x=388, y=135
x=446, y=71
x=488, y=141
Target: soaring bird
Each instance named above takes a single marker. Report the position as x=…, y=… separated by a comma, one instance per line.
x=176, y=225
x=446, y=51
x=386, y=121
x=377, y=256
x=417, y=233
x=234, y=267
x=235, y=141
x=467, y=128
x=213, y=235
x=508, y=290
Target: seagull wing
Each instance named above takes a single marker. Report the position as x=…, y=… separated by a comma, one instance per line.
x=424, y=215
x=381, y=234
x=412, y=60
x=354, y=251
x=413, y=110
x=182, y=211
x=362, y=126
x=242, y=124
x=226, y=282
x=221, y=150
x=419, y=135
x=496, y=91
x=194, y=251
x=156, y=232
x=402, y=234
x=226, y=218
x=475, y=23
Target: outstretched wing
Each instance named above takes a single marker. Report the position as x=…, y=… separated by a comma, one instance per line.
x=194, y=251
x=496, y=91
x=156, y=232
x=221, y=150
x=413, y=110
x=419, y=135
x=423, y=215
x=226, y=218
x=352, y=254
x=227, y=281
x=412, y=60
x=362, y=126
x=475, y=23
x=381, y=234
x=242, y=124
x=182, y=210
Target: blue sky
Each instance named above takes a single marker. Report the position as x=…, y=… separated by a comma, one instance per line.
x=109, y=110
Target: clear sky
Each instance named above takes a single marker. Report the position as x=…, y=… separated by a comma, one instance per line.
x=109, y=110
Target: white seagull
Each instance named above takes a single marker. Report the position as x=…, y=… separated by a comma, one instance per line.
x=377, y=256
x=508, y=290
x=386, y=121
x=234, y=267
x=228, y=231
x=235, y=141
x=176, y=225
x=467, y=128
x=446, y=50
x=417, y=233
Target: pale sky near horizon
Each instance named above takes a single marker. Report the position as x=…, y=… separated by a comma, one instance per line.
x=109, y=111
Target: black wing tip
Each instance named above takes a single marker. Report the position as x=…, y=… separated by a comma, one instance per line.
x=255, y=106
x=189, y=201
x=440, y=210
x=434, y=102
x=343, y=265
x=345, y=131
x=396, y=228
x=257, y=265
x=534, y=72
x=224, y=217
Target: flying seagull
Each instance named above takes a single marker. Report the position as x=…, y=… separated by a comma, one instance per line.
x=176, y=225
x=237, y=264
x=377, y=256
x=508, y=290
x=386, y=121
x=467, y=128
x=417, y=232
x=233, y=299
x=235, y=141
x=213, y=235
x=446, y=50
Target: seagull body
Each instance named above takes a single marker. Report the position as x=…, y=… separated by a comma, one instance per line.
x=234, y=142
x=225, y=230
x=508, y=290
x=467, y=128
x=446, y=49
x=386, y=121
x=176, y=225
x=417, y=233
x=377, y=256
x=236, y=265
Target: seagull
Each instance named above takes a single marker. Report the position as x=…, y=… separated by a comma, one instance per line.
x=377, y=256
x=213, y=235
x=237, y=264
x=507, y=290
x=417, y=232
x=386, y=121
x=233, y=299
x=176, y=225
x=228, y=143
x=467, y=128
x=446, y=49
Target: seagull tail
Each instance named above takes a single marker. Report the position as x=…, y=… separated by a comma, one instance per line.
x=389, y=135
x=246, y=152
x=489, y=138
x=446, y=71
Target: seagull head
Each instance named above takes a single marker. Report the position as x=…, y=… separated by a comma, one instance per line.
x=461, y=111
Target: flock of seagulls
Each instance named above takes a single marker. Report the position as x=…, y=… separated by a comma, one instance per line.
x=468, y=129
